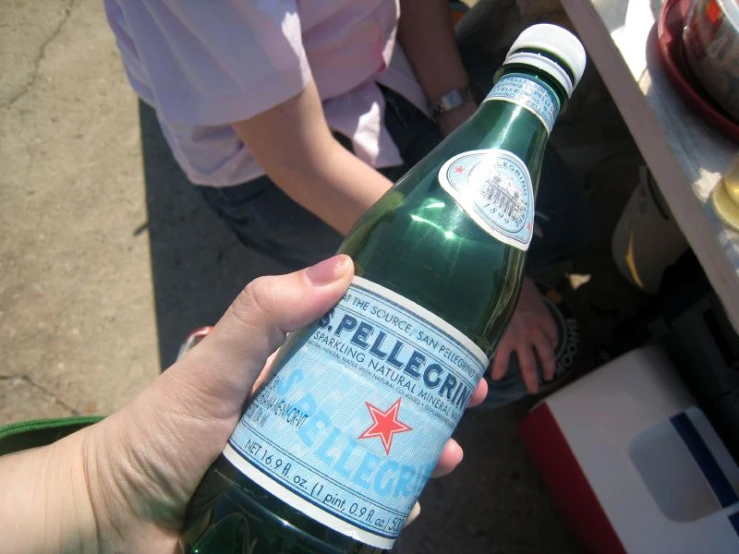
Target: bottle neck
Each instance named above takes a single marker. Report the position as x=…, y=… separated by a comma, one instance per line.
x=517, y=115
x=531, y=89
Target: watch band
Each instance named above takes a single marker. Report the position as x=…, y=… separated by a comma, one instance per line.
x=451, y=100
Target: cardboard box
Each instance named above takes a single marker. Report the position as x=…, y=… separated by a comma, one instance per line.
x=633, y=465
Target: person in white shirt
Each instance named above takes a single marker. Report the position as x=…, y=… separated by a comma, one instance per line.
x=294, y=116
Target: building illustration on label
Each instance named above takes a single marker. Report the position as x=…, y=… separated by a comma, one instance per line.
x=505, y=197
x=494, y=188
x=385, y=424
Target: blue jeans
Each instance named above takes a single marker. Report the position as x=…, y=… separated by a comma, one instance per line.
x=266, y=219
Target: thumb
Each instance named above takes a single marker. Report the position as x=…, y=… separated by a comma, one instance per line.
x=222, y=368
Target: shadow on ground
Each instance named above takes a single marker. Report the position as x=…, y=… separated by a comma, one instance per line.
x=197, y=266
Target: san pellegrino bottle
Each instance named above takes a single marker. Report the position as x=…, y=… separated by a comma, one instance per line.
x=332, y=453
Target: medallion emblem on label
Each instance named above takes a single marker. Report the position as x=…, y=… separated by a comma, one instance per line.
x=494, y=188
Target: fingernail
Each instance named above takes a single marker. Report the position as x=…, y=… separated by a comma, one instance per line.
x=330, y=270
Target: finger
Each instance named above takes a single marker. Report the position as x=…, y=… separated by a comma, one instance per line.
x=451, y=456
x=415, y=512
x=545, y=353
x=527, y=363
x=501, y=360
x=479, y=394
x=226, y=364
x=550, y=328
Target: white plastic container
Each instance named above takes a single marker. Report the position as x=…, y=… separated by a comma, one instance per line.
x=646, y=239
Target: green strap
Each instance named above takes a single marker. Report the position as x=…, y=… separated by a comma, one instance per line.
x=40, y=432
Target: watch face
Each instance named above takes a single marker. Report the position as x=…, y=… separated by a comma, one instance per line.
x=452, y=99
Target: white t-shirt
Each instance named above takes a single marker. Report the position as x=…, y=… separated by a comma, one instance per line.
x=203, y=64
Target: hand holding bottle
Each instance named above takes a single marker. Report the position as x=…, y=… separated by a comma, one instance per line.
x=124, y=484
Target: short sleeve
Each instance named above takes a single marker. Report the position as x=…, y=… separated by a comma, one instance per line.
x=212, y=62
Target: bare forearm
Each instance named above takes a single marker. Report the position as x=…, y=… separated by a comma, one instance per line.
x=427, y=36
x=295, y=146
x=45, y=503
x=338, y=190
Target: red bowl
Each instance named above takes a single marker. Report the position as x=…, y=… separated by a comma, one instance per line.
x=670, y=38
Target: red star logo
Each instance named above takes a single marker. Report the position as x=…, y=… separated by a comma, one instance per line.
x=459, y=169
x=385, y=424
x=528, y=226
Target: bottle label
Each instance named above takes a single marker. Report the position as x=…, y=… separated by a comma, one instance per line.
x=350, y=427
x=494, y=188
x=522, y=90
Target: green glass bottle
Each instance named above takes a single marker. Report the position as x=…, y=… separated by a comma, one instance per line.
x=332, y=453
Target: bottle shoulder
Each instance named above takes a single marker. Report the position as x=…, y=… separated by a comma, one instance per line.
x=428, y=250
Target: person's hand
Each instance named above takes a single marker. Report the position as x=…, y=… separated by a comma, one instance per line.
x=531, y=334
x=450, y=120
x=139, y=467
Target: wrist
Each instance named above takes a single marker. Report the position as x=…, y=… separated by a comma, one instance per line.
x=46, y=502
x=123, y=489
x=451, y=100
x=450, y=120
x=79, y=522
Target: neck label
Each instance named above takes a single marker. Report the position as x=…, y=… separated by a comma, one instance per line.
x=520, y=89
x=494, y=188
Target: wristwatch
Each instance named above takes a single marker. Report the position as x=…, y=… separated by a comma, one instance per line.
x=453, y=99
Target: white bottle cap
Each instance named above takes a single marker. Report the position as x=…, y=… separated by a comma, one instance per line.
x=559, y=43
